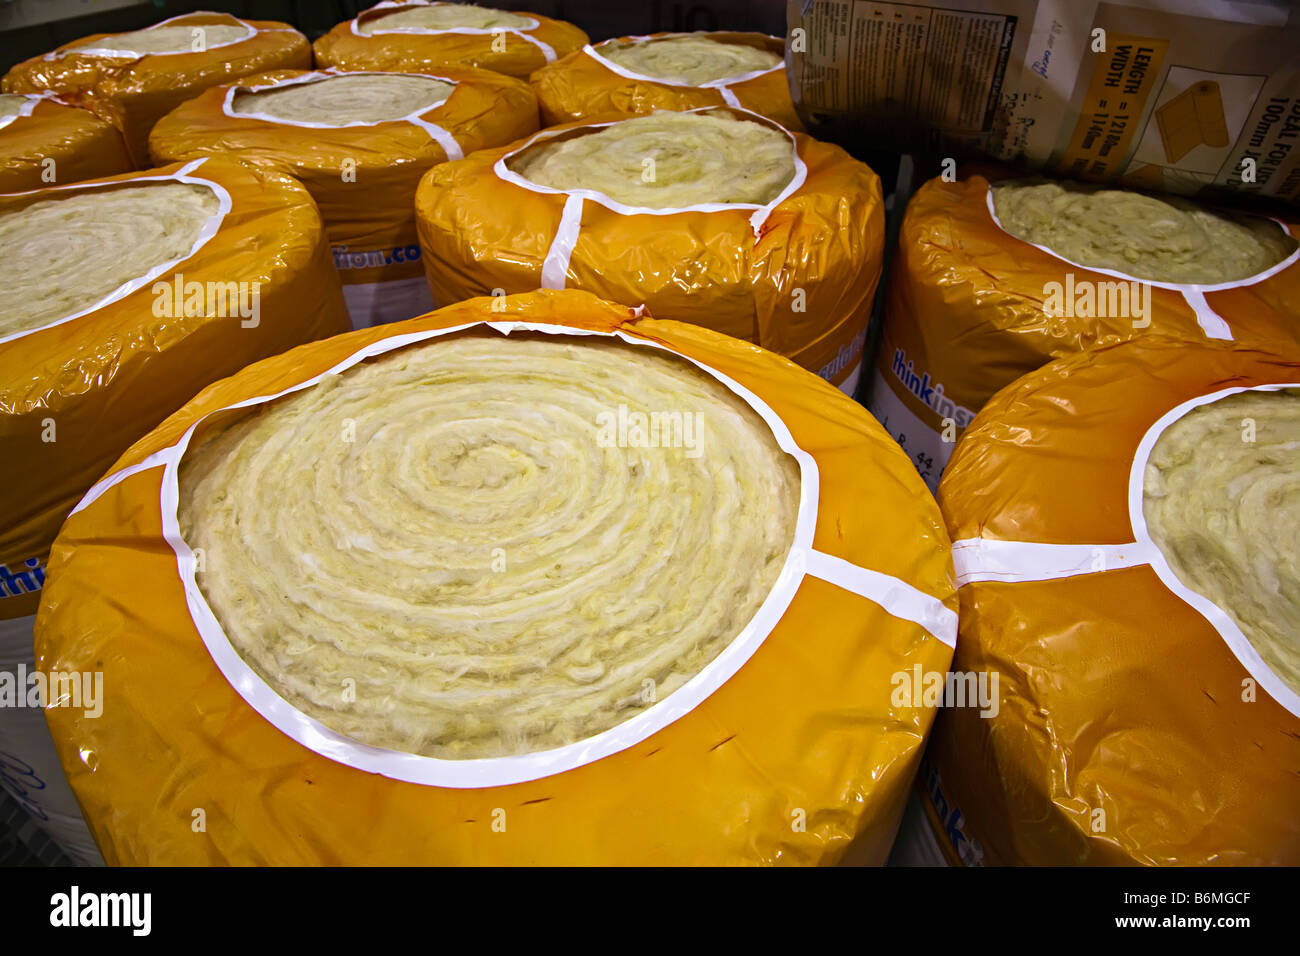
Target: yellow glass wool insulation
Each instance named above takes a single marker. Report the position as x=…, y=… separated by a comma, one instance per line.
x=1124, y=525
x=616, y=574
x=359, y=142
x=464, y=541
x=132, y=80
x=164, y=39
x=122, y=297
x=421, y=37
x=639, y=75
x=995, y=276
x=45, y=141
x=1163, y=238
x=690, y=59
x=668, y=160
x=339, y=100
x=112, y=235
x=717, y=216
x=1222, y=502
x=444, y=16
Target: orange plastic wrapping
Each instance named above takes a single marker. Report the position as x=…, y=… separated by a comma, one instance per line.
x=75, y=394
x=515, y=51
x=134, y=92
x=586, y=86
x=820, y=778
x=797, y=276
x=1131, y=729
x=964, y=315
x=49, y=142
x=362, y=176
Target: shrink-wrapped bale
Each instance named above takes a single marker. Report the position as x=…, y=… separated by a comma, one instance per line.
x=631, y=76
x=133, y=79
x=359, y=142
x=994, y=277
x=125, y=296
x=716, y=216
x=44, y=142
x=1124, y=527
x=514, y=582
x=422, y=37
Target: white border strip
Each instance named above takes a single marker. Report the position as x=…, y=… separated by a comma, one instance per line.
x=437, y=133
x=986, y=559
x=210, y=228
x=895, y=596
x=1212, y=324
x=158, y=459
x=547, y=51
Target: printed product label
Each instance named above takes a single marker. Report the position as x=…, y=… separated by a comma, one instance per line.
x=25, y=578
x=923, y=443
x=949, y=821
x=345, y=259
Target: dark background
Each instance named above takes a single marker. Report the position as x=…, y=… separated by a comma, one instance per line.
x=601, y=19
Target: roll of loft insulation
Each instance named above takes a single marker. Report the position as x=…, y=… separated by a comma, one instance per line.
x=359, y=142
x=133, y=79
x=631, y=76
x=716, y=216
x=516, y=581
x=44, y=142
x=1124, y=524
x=996, y=276
x=422, y=37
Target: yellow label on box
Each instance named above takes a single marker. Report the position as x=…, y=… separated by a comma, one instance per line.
x=1123, y=78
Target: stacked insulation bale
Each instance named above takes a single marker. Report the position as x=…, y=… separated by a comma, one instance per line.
x=359, y=142
x=556, y=557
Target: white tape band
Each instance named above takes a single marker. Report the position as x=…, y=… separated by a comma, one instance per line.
x=555, y=268
x=985, y=559
x=893, y=595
